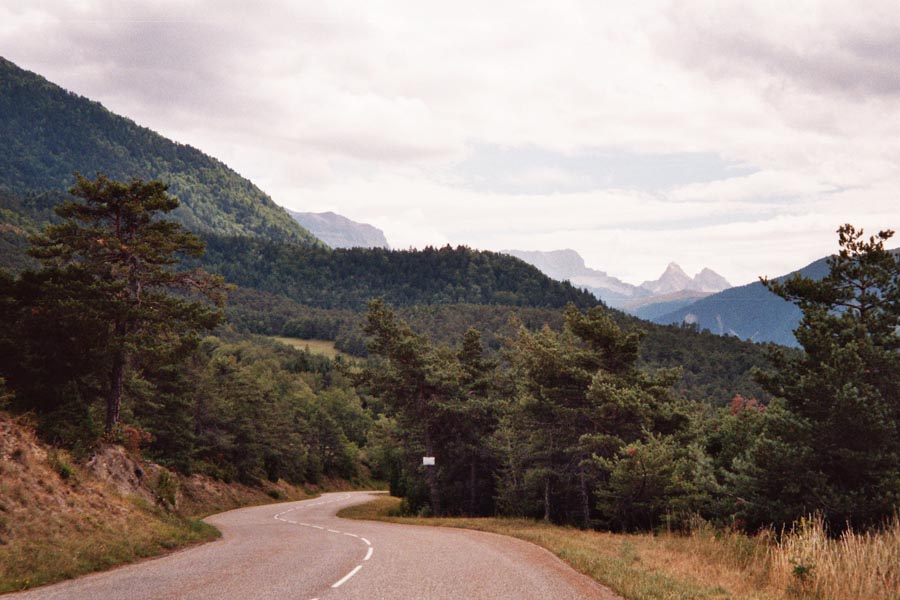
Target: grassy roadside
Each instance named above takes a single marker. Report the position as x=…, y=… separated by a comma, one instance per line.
x=58, y=520
x=705, y=565
x=67, y=544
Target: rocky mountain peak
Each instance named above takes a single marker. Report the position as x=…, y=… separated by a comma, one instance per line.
x=708, y=280
x=674, y=279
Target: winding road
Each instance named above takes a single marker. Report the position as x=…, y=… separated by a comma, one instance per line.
x=302, y=551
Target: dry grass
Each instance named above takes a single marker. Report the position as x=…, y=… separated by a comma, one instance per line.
x=706, y=564
x=864, y=566
x=323, y=347
x=58, y=520
x=50, y=546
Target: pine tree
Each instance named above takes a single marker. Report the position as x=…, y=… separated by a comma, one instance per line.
x=114, y=243
x=841, y=397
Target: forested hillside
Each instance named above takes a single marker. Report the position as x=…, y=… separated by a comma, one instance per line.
x=568, y=414
x=713, y=369
x=349, y=278
x=49, y=133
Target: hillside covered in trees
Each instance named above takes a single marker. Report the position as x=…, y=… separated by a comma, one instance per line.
x=349, y=278
x=49, y=133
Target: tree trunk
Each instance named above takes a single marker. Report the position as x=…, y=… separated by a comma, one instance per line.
x=431, y=475
x=585, y=502
x=116, y=378
x=547, y=499
x=116, y=383
x=472, y=498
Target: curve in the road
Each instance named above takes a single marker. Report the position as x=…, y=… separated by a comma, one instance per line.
x=302, y=551
x=281, y=517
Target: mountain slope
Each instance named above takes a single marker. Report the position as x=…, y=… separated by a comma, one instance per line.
x=48, y=133
x=340, y=232
x=750, y=312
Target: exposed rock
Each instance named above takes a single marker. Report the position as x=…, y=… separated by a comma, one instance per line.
x=340, y=232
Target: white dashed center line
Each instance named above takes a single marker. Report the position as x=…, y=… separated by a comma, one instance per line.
x=369, y=551
x=347, y=577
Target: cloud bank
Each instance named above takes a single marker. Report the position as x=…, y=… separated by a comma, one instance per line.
x=731, y=135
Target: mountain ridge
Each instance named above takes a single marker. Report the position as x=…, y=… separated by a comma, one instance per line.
x=750, y=312
x=568, y=265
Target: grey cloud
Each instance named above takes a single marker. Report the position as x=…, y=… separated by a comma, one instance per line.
x=829, y=57
x=169, y=57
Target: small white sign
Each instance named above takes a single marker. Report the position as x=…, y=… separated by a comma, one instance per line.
x=428, y=461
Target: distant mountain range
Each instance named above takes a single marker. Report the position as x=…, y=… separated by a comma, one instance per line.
x=750, y=312
x=673, y=289
x=340, y=232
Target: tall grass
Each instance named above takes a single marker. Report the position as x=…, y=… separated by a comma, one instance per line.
x=863, y=566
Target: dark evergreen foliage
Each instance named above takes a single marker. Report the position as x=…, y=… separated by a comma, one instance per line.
x=350, y=278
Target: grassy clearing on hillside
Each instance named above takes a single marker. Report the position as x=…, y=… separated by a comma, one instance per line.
x=323, y=347
x=707, y=564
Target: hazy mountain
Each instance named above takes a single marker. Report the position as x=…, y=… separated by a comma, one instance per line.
x=48, y=133
x=750, y=312
x=568, y=265
x=708, y=280
x=674, y=287
x=340, y=232
x=650, y=307
x=673, y=279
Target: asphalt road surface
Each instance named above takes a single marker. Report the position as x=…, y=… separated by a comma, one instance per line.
x=302, y=551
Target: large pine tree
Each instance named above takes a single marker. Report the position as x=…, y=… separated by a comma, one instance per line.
x=841, y=398
x=124, y=257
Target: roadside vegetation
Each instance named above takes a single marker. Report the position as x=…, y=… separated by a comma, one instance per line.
x=702, y=562
x=57, y=520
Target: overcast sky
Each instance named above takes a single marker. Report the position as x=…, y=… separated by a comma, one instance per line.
x=731, y=135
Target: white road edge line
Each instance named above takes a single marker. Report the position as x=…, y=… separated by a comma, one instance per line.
x=333, y=531
x=368, y=543
x=369, y=553
x=347, y=577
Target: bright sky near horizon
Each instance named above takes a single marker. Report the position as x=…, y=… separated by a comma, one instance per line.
x=731, y=135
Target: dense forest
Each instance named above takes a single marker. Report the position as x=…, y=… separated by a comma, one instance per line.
x=713, y=369
x=109, y=340
x=348, y=278
x=567, y=414
x=571, y=429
